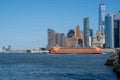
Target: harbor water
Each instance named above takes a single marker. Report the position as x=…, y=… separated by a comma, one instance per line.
x=14, y=66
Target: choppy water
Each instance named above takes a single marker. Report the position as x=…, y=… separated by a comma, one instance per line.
x=55, y=67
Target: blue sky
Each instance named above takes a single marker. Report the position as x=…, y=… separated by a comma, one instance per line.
x=24, y=23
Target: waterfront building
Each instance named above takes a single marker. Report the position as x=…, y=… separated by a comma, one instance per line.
x=91, y=32
x=57, y=39
x=60, y=39
x=117, y=30
x=90, y=41
x=101, y=18
x=51, y=39
x=74, y=38
x=91, y=37
x=109, y=31
x=71, y=33
x=98, y=40
x=79, y=35
x=86, y=31
x=71, y=42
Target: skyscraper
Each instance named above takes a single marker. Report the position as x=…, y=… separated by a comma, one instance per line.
x=101, y=18
x=57, y=39
x=117, y=30
x=86, y=31
x=91, y=32
x=78, y=32
x=60, y=39
x=51, y=39
x=109, y=31
x=79, y=35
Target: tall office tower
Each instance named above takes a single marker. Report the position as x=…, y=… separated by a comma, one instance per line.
x=91, y=32
x=60, y=39
x=109, y=31
x=91, y=37
x=86, y=32
x=51, y=39
x=57, y=39
x=117, y=30
x=79, y=35
x=101, y=18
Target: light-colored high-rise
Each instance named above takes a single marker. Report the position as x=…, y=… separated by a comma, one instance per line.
x=101, y=18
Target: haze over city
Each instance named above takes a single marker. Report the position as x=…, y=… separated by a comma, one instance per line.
x=24, y=23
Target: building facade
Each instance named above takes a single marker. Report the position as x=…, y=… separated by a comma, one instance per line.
x=101, y=18
x=91, y=32
x=71, y=42
x=51, y=39
x=117, y=30
x=57, y=39
x=78, y=33
x=86, y=31
x=71, y=33
x=109, y=31
x=60, y=39
x=79, y=36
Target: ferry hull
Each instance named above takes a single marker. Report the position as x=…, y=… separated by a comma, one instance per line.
x=58, y=50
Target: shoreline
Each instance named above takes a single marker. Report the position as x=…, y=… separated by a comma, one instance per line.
x=103, y=51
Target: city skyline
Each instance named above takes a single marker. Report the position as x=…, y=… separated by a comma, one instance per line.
x=24, y=24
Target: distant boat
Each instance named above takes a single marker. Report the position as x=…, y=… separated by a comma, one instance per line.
x=40, y=51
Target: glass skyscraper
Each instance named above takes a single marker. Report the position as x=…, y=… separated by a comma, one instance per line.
x=86, y=31
x=101, y=18
x=109, y=31
x=117, y=30
x=91, y=32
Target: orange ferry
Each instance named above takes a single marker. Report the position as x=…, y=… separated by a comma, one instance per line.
x=59, y=50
